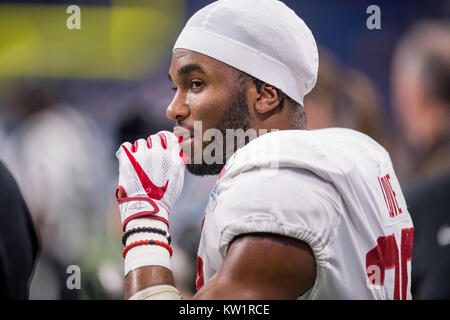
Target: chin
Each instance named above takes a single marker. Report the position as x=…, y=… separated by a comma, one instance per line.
x=204, y=169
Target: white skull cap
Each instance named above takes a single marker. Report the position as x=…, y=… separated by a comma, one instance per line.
x=263, y=38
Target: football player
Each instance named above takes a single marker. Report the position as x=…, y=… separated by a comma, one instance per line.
x=295, y=213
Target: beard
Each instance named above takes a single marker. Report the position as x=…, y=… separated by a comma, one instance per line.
x=235, y=116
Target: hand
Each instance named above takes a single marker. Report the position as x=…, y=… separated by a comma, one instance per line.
x=151, y=176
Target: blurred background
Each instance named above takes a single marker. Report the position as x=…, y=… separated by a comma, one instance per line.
x=69, y=98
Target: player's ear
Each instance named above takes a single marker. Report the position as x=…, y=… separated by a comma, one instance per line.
x=267, y=99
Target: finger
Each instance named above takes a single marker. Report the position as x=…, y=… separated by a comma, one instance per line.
x=120, y=193
x=139, y=145
x=163, y=140
x=120, y=151
x=179, y=136
x=172, y=138
x=184, y=157
x=149, y=142
x=154, y=141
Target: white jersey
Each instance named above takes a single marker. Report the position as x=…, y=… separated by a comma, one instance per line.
x=336, y=190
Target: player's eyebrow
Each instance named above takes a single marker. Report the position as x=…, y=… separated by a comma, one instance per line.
x=187, y=69
x=190, y=68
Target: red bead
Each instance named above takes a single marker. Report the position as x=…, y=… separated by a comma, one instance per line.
x=146, y=242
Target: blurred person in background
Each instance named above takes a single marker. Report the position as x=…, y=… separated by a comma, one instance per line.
x=345, y=97
x=420, y=85
x=18, y=240
x=51, y=151
x=321, y=102
x=360, y=107
x=421, y=100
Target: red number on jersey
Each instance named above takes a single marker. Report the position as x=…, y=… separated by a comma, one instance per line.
x=386, y=256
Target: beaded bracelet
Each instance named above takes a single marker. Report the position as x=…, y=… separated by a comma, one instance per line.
x=146, y=242
x=145, y=229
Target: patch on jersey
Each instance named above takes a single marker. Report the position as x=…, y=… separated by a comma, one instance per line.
x=212, y=199
x=213, y=195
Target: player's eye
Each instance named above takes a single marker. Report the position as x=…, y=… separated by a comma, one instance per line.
x=195, y=84
x=174, y=89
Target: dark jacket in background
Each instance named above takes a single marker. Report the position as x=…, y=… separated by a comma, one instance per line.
x=18, y=240
x=429, y=206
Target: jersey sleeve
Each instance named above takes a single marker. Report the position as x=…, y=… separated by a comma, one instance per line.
x=287, y=201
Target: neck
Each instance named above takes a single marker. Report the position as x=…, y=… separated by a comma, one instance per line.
x=284, y=121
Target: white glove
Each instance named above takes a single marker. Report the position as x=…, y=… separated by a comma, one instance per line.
x=151, y=176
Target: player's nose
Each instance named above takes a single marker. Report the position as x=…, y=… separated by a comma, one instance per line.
x=177, y=110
